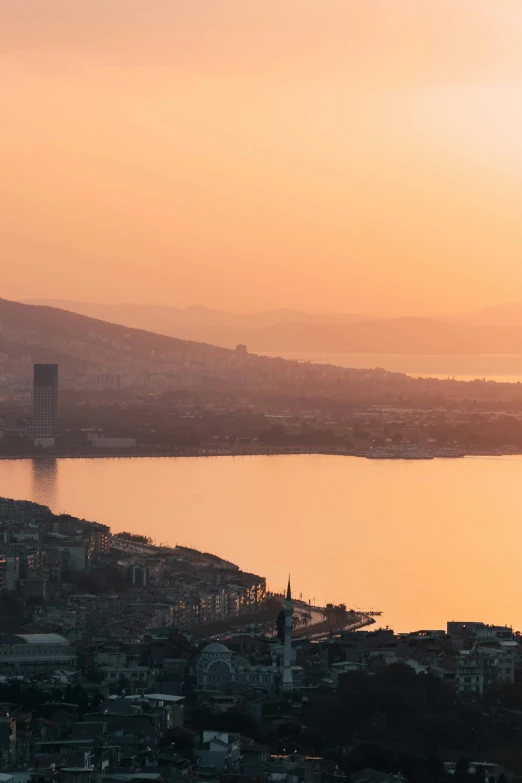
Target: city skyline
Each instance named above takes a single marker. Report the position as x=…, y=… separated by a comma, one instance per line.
x=260, y=315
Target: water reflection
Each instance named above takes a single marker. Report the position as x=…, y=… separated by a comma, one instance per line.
x=424, y=541
x=45, y=481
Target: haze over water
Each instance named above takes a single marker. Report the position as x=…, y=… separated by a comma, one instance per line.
x=502, y=368
x=425, y=542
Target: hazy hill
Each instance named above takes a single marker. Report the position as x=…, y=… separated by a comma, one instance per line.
x=399, y=335
x=164, y=319
x=282, y=330
x=41, y=325
x=507, y=314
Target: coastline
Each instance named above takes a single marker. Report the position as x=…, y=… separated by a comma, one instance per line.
x=202, y=453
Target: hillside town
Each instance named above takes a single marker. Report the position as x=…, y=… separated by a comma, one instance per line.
x=260, y=391
x=70, y=573
x=121, y=661
x=128, y=392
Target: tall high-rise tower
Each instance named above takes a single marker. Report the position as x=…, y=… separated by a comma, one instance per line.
x=287, y=682
x=45, y=401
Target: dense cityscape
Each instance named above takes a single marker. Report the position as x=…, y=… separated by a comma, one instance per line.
x=127, y=392
x=123, y=661
x=260, y=391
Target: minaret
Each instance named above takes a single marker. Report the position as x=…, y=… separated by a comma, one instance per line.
x=287, y=684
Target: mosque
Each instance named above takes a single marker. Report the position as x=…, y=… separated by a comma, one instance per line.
x=220, y=669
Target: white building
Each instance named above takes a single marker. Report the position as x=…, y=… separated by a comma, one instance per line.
x=219, y=669
x=220, y=750
x=44, y=443
x=114, y=443
x=134, y=674
x=241, y=355
x=484, y=666
x=108, y=381
x=34, y=654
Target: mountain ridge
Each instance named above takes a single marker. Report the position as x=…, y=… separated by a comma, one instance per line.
x=195, y=315
x=416, y=335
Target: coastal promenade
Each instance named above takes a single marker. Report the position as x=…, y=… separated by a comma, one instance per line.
x=316, y=622
x=138, y=453
x=325, y=628
x=311, y=621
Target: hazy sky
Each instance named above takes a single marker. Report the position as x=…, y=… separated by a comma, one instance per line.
x=361, y=155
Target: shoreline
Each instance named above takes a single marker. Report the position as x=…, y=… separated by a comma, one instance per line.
x=208, y=453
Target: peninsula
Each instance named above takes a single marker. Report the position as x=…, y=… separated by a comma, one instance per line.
x=83, y=577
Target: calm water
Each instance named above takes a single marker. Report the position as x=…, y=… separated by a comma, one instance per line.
x=503, y=368
x=425, y=542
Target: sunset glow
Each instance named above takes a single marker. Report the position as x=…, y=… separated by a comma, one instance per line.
x=325, y=155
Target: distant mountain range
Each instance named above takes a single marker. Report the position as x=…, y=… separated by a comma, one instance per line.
x=160, y=318
x=495, y=329
x=507, y=314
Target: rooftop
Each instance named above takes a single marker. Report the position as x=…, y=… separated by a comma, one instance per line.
x=162, y=697
x=33, y=638
x=216, y=647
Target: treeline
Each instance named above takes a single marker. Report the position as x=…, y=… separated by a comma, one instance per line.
x=393, y=721
x=139, y=539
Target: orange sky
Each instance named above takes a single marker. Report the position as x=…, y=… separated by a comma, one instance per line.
x=359, y=155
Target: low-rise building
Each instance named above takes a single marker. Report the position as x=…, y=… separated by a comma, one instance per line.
x=485, y=666
x=100, y=537
x=114, y=443
x=35, y=654
x=140, y=675
x=12, y=572
x=220, y=750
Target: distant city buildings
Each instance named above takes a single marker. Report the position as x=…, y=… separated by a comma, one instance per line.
x=45, y=404
x=108, y=381
x=113, y=443
x=485, y=666
x=43, y=555
x=103, y=638
x=218, y=669
x=139, y=575
x=241, y=354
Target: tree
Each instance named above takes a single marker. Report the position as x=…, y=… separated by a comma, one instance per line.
x=181, y=740
x=134, y=537
x=239, y=722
